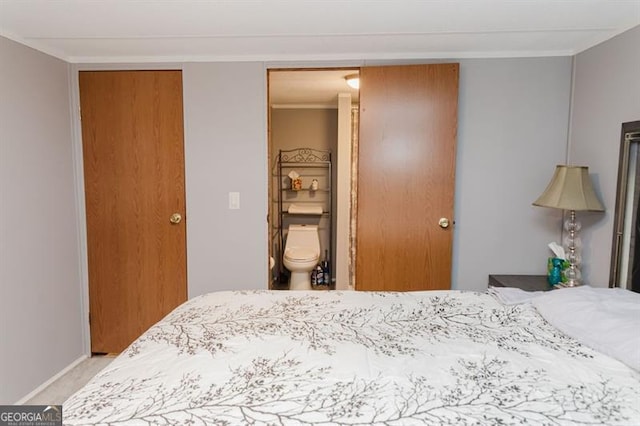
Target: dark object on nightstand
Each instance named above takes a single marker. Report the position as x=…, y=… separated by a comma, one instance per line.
x=523, y=282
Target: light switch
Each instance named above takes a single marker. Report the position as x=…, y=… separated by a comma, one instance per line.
x=234, y=200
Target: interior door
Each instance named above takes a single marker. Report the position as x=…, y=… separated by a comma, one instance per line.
x=406, y=171
x=132, y=135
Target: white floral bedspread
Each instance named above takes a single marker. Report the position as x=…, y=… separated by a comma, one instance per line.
x=356, y=358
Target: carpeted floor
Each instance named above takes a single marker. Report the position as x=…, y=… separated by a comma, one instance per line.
x=58, y=392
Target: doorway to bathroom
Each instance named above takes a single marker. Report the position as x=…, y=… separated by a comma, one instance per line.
x=311, y=141
x=395, y=174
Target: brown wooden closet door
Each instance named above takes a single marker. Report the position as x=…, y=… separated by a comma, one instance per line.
x=406, y=170
x=132, y=135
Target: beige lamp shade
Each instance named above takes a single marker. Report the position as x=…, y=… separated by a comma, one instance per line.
x=570, y=189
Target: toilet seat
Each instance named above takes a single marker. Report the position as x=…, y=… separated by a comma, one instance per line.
x=300, y=254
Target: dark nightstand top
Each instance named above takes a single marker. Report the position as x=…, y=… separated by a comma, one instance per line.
x=523, y=282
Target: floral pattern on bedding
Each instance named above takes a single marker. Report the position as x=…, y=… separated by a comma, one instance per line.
x=353, y=358
x=321, y=324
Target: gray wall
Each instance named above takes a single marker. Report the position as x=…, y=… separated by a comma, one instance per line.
x=512, y=131
x=303, y=127
x=225, y=108
x=40, y=291
x=513, y=120
x=606, y=94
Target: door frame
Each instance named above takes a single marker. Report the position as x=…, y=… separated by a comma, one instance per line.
x=270, y=214
x=621, y=203
x=355, y=65
x=78, y=171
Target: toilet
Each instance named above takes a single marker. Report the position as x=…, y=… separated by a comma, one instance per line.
x=301, y=255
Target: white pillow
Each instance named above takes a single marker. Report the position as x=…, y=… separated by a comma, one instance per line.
x=605, y=319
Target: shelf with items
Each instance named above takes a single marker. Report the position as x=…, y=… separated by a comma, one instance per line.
x=312, y=168
x=306, y=214
x=306, y=189
x=294, y=164
x=289, y=196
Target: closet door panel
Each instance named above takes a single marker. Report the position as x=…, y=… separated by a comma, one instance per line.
x=406, y=177
x=132, y=134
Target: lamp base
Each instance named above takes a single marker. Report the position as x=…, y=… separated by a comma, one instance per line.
x=572, y=283
x=572, y=273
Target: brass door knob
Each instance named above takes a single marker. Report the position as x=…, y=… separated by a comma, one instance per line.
x=443, y=222
x=175, y=218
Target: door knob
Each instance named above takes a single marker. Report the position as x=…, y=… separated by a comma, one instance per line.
x=175, y=218
x=443, y=222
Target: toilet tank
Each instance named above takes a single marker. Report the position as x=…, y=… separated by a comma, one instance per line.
x=303, y=236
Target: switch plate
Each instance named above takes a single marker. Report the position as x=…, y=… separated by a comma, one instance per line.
x=234, y=201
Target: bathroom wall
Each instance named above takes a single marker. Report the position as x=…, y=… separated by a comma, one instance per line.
x=292, y=128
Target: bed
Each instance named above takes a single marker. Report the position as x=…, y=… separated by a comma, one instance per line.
x=358, y=358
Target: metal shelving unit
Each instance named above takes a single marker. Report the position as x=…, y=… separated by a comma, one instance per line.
x=312, y=164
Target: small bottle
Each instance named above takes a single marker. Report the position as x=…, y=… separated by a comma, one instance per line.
x=326, y=269
x=319, y=275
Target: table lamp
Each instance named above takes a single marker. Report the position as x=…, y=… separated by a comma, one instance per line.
x=570, y=189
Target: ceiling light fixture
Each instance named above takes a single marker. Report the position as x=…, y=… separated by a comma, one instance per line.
x=353, y=80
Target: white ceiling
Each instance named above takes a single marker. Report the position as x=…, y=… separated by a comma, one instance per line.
x=95, y=31
x=295, y=31
x=313, y=88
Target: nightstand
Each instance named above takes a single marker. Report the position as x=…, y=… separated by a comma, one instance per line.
x=523, y=282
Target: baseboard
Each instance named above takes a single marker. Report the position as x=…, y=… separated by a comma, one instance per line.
x=51, y=380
